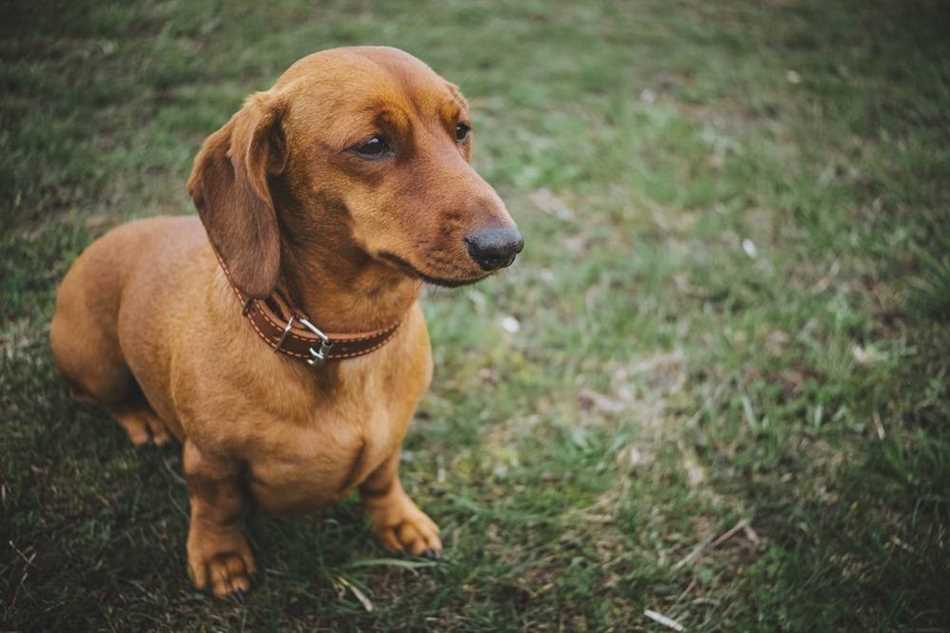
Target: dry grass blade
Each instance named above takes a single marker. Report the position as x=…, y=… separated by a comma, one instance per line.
x=356, y=591
x=664, y=620
x=712, y=542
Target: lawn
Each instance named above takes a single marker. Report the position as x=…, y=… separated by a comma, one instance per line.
x=715, y=386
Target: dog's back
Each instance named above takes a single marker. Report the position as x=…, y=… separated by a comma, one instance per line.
x=118, y=279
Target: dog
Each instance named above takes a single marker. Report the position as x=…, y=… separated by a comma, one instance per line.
x=278, y=335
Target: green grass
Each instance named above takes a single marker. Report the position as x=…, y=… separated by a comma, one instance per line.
x=734, y=309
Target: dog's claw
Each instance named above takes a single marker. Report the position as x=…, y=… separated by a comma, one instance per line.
x=432, y=554
x=239, y=595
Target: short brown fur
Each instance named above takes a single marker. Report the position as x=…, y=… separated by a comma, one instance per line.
x=147, y=325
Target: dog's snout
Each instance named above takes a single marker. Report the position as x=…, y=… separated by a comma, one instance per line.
x=494, y=248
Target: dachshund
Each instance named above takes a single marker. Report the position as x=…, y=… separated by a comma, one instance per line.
x=278, y=336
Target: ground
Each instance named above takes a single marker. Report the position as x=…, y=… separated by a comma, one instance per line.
x=714, y=386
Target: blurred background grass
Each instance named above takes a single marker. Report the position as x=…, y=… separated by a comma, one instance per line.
x=714, y=386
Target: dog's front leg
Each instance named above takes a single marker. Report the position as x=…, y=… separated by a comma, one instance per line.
x=218, y=552
x=397, y=522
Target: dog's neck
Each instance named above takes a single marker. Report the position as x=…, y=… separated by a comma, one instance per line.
x=341, y=288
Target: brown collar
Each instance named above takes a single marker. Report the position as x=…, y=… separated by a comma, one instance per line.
x=289, y=331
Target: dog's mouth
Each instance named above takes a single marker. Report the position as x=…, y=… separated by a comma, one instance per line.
x=435, y=281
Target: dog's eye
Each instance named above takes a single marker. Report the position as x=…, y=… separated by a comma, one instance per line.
x=461, y=132
x=373, y=148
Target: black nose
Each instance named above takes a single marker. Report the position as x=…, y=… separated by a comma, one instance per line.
x=494, y=248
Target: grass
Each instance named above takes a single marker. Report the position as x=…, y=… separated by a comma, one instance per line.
x=733, y=311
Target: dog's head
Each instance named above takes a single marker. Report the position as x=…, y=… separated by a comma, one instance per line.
x=366, y=143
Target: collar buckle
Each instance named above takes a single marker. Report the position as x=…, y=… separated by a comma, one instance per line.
x=319, y=355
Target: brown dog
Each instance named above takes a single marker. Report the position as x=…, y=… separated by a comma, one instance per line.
x=327, y=200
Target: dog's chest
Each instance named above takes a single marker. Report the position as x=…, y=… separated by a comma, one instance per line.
x=316, y=459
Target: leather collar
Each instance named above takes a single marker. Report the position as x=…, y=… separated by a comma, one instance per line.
x=289, y=331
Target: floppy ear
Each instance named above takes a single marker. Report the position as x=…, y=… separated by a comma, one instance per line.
x=229, y=187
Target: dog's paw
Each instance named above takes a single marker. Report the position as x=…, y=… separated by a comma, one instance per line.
x=221, y=561
x=142, y=426
x=406, y=528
